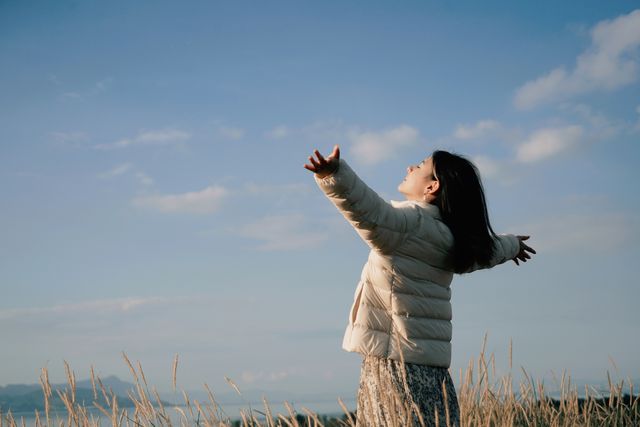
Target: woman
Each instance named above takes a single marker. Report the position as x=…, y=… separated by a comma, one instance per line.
x=400, y=320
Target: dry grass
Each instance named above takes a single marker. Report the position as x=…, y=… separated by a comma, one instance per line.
x=484, y=398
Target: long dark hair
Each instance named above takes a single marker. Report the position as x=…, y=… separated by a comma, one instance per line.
x=462, y=204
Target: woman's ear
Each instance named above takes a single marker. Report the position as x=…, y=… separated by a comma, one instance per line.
x=432, y=188
x=431, y=191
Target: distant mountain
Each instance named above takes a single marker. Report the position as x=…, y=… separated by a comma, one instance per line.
x=29, y=397
x=119, y=387
x=33, y=400
x=112, y=382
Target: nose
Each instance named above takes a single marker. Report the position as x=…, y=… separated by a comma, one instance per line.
x=410, y=168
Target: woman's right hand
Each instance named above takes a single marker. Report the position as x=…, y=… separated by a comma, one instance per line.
x=523, y=255
x=324, y=167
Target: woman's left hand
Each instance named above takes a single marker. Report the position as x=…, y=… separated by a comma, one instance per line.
x=523, y=255
x=324, y=167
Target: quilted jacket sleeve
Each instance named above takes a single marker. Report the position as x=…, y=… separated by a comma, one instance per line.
x=507, y=247
x=381, y=226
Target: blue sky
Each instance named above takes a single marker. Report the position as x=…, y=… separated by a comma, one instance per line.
x=154, y=199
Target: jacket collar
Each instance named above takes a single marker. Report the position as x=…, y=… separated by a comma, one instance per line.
x=432, y=210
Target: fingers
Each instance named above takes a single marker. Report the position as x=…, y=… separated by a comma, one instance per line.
x=525, y=247
x=315, y=164
x=335, y=154
x=321, y=159
x=319, y=162
x=525, y=251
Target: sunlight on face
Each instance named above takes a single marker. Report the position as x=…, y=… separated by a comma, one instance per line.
x=418, y=179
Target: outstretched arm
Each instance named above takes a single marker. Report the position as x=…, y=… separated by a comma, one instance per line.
x=507, y=247
x=380, y=225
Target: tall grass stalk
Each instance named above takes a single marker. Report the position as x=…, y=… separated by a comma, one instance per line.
x=484, y=398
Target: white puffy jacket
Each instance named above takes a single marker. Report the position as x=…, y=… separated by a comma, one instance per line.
x=401, y=307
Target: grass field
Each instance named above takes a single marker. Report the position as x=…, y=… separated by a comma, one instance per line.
x=484, y=398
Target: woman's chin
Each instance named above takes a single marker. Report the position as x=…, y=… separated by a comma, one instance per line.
x=404, y=195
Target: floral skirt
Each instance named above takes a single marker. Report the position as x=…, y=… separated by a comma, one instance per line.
x=393, y=393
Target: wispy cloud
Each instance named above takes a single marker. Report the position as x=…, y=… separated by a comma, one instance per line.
x=249, y=377
x=374, y=147
x=151, y=137
x=295, y=189
x=282, y=232
x=93, y=307
x=95, y=89
x=204, y=201
x=278, y=132
x=549, y=142
x=598, y=125
x=144, y=179
x=368, y=146
x=231, y=132
x=73, y=136
x=116, y=171
x=479, y=129
x=125, y=168
x=610, y=62
x=488, y=167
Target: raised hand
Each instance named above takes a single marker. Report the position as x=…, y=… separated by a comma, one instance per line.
x=324, y=167
x=523, y=255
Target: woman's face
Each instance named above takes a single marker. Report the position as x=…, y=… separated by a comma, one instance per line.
x=419, y=181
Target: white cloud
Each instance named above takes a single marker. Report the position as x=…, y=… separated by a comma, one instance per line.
x=250, y=377
x=600, y=126
x=488, y=167
x=368, y=147
x=374, y=147
x=153, y=137
x=610, y=62
x=548, y=142
x=282, y=232
x=116, y=171
x=144, y=179
x=232, y=133
x=479, y=129
x=278, y=132
x=124, y=168
x=196, y=202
